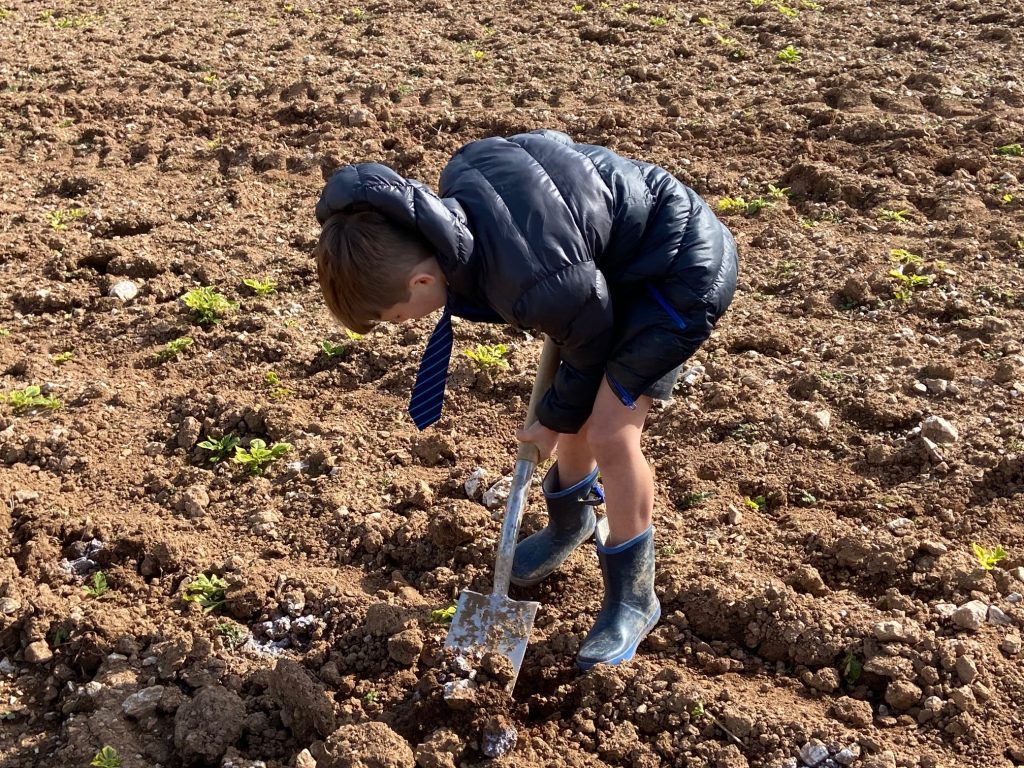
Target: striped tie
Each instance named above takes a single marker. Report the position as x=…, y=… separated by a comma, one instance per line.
x=428, y=391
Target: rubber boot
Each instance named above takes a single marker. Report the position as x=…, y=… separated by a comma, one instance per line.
x=571, y=522
x=630, y=608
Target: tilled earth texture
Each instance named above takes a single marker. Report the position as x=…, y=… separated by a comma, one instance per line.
x=830, y=460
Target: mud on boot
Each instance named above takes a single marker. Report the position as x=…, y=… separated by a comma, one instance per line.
x=630, y=608
x=571, y=522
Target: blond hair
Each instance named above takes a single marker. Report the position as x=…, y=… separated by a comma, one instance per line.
x=363, y=262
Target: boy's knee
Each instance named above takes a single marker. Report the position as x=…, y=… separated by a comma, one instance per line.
x=607, y=445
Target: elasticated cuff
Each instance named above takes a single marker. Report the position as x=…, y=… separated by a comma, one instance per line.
x=626, y=544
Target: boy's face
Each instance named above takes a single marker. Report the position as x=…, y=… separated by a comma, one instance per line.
x=428, y=292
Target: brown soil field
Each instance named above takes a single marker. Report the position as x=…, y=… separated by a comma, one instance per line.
x=852, y=429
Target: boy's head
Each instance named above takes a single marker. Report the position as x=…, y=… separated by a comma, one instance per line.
x=371, y=269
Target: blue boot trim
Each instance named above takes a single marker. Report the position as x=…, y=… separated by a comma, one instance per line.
x=583, y=485
x=649, y=531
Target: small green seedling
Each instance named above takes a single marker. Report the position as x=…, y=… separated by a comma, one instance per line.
x=757, y=503
x=99, y=588
x=907, y=283
x=107, y=757
x=732, y=45
x=353, y=335
x=789, y=55
x=208, y=306
x=693, y=499
x=778, y=193
x=785, y=10
x=988, y=557
x=658, y=21
x=231, y=632
x=443, y=615
x=787, y=269
x=63, y=357
x=59, y=635
x=745, y=433
x=332, y=350
x=220, y=448
x=488, y=355
x=277, y=389
x=478, y=55
x=258, y=456
x=260, y=287
x=898, y=217
x=208, y=591
x=59, y=219
x=805, y=498
x=577, y=9
x=901, y=256
x=1010, y=150
x=174, y=348
x=697, y=710
x=5, y=332
x=851, y=668
x=371, y=697
x=29, y=398
x=730, y=205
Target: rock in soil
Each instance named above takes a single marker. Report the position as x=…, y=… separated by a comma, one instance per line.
x=939, y=430
x=38, y=653
x=498, y=738
x=143, y=703
x=970, y=615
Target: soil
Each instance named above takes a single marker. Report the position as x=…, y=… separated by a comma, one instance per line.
x=814, y=523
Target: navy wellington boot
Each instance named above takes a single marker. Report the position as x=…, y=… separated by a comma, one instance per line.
x=630, y=608
x=571, y=522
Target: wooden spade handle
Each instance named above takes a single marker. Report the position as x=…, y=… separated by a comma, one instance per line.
x=546, y=368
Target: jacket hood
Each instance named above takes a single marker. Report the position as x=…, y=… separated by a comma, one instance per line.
x=441, y=222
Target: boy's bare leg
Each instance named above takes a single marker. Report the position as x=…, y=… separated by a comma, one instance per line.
x=613, y=437
x=575, y=459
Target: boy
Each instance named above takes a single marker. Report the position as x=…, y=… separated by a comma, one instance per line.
x=624, y=267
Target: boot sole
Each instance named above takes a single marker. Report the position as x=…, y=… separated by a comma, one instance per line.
x=583, y=666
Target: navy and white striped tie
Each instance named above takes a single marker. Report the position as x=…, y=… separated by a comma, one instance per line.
x=428, y=391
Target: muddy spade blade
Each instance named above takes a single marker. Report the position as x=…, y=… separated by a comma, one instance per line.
x=495, y=622
x=487, y=623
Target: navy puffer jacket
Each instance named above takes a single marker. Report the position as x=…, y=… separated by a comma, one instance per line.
x=623, y=266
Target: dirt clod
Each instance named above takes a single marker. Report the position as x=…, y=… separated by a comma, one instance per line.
x=306, y=707
x=207, y=724
x=366, y=745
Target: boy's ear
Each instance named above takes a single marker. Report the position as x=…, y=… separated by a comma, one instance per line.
x=423, y=279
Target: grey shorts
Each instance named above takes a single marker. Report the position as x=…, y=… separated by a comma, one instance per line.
x=662, y=388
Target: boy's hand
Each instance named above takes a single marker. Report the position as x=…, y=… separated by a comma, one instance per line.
x=545, y=439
